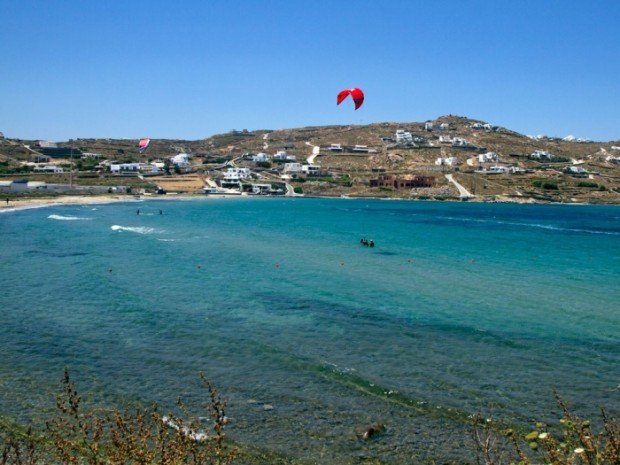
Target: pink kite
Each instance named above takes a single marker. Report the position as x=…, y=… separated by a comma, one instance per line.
x=143, y=144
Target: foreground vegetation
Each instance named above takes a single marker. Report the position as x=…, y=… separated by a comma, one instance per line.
x=145, y=436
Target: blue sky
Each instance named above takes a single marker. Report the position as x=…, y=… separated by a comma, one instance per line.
x=190, y=69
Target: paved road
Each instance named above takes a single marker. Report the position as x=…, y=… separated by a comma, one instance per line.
x=462, y=191
x=315, y=153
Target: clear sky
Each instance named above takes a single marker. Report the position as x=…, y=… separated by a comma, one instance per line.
x=190, y=69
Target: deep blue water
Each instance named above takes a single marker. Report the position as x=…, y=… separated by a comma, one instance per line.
x=459, y=309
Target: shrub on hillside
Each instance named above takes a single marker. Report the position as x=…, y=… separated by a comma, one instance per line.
x=545, y=184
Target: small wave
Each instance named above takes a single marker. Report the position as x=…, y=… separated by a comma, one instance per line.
x=135, y=229
x=167, y=240
x=67, y=218
x=531, y=225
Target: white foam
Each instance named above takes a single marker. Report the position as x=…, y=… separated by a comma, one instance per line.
x=67, y=218
x=28, y=207
x=134, y=229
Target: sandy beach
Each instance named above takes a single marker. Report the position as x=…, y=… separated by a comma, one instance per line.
x=25, y=203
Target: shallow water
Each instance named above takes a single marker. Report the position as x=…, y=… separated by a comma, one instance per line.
x=460, y=308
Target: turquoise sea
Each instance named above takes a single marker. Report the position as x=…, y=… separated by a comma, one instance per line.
x=460, y=308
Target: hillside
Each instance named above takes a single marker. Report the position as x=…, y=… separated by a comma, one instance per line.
x=381, y=166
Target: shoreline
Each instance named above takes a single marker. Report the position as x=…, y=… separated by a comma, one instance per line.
x=26, y=203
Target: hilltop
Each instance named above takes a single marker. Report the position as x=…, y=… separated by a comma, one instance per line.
x=356, y=160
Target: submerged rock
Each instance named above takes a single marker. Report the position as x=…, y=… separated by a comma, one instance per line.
x=366, y=432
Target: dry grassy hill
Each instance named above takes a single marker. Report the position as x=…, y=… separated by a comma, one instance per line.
x=351, y=173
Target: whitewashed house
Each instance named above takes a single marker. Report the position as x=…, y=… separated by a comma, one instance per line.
x=335, y=147
x=282, y=155
x=541, y=155
x=612, y=159
x=459, y=142
x=360, y=148
x=90, y=155
x=498, y=170
x=311, y=170
x=428, y=126
x=445, y=139
x=260, y=157
x=49, y=169
x=447, y=161
x=488, y=157
x=403, y=137
x=444, y=126
x=120, y=168
x=237, y=174
x=576, y=171
x=181, y=160
x=292, y=168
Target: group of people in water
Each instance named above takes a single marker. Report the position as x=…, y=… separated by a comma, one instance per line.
x=367, y=243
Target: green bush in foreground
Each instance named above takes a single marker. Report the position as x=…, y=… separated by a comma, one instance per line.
x=571, y=442
x=144, y=436
x=98, y=437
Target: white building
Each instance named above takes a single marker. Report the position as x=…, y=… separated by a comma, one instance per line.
x=292, y=168
x=335, y=148
x=361, y=148
x=49, y=169
x=118, y=168
x=429, y=126
x=448, y=161
x=260, y=157
x=444, y=126
x=22, y=185
x=612, y=159
x=541, y=155
x=576, y=171
x=488, y=157
x=236, y=174
x=282, y=155
x=87, y=155
x=445, y=139
x=311, y=170
x=47, y=144
x=403, y=136
x=181, y=160
x=460, y=142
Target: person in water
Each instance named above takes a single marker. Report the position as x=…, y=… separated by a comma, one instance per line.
x=371, y=243
x=138, y=211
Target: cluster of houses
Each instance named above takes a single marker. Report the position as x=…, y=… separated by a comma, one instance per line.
x=280, y=155
x=569, y=138
x=447, y=161
x=484, y=127
x=541, y=155
x=180, y=161
x=430, y=126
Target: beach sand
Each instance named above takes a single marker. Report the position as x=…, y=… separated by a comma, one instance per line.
x=22, y=203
